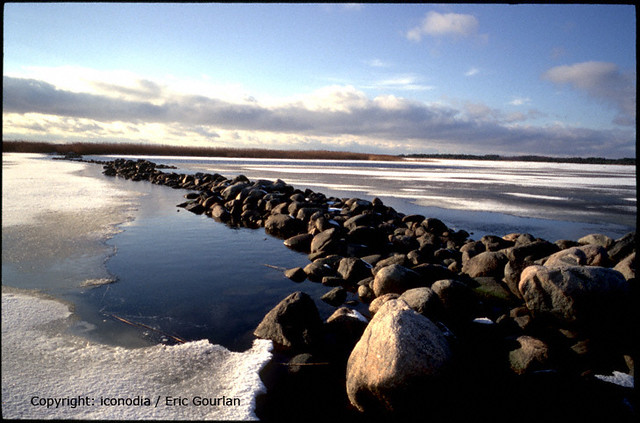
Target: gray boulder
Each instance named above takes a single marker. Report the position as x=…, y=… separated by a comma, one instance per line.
x=575, y=295
x=596, y=239
x=402, y=356
x=585, y=255
x=627, y=267
x=532, y=355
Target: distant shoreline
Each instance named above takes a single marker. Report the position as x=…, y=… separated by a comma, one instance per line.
x=21, y=146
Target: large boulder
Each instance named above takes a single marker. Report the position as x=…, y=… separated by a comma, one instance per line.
x=622, y=247
x=531, y=355
x=580, y=296
x=585, y=255
x=394, y=278
x=627, y=267
x=459, y=303
x=293, y=324
x=596, y=239
x=400, y=359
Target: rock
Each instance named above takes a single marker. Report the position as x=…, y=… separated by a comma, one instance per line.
x=495, y=243
x=457, y=299
x=368, y=236
x=353, y=269
x=532, y=355
x=301, y=242
x=531, y=251
x=492, y=293
x=627, y=267
x=400, y=259
x=332, y=281
x=622, y=247
x=583, y=296
x=366, y=294
x=424, y=301
x=429, y=273
x=377, y=302
x=586, y=255
x=283, y=226
x=296, y=274
x=232, y=191
x=219, y=212
x=489, y=263
x=359, y=220
x=394, y=278
x=343, y=330
x=596, y=239
x=327, y=242
x=293, y=324
x=563, y=244
x=335, y=297
x=401, y=357
x=434, y=226
x=315, y=271
x=195, y=207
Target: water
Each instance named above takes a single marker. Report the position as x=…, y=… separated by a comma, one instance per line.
x=114, y=249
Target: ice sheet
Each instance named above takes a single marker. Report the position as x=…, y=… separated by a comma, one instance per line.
x=41, y=361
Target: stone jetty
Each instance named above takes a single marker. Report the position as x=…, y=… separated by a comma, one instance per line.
x=500, y=328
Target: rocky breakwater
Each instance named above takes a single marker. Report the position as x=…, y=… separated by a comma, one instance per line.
x=502, y=327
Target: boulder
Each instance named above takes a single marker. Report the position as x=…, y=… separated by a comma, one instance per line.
x=335, y=297
x=394, y=278
x=301, y=242
x=377, y=302
x=284, y=226
x=627, y=267
x=327, y=242
x=585, y=255
x=531, y=251
x=343, y=330
x=401, y=358
x=296, y=274
x=532, y=355
x=622, y=247
x=232, y=191
x=353, y=269
x=495, y=243
x=434, y=226
x=423, y=300
x=596, y=239
x=400, y=259
x=581, y=296
x=458, y=300
x=430, y=273
x=315, y=271
x=489, y=263
x=293, y=324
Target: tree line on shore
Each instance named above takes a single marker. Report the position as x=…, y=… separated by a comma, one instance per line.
x=85, y=148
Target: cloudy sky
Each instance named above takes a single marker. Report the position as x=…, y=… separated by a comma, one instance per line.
x=421, y=78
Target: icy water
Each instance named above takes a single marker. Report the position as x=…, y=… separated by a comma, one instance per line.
x=113, y=249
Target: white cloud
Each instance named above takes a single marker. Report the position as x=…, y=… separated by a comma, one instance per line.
x=377, y=63
x=472, y=72
x=337, y=115
x=520, y=101
x=602, y=81
x=447, y=24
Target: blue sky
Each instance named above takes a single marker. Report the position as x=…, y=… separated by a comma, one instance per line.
x=435, y=78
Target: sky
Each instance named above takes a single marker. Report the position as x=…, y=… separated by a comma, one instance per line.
x=556, y=80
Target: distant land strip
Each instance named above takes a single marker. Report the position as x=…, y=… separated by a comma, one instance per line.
x=82, y=148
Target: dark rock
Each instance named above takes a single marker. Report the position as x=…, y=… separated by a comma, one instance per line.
x=458, y=300
x=283, y=226
x=301, y=242
x=622, y=247
x=429, y=273
x=343, y=330
x=327, y=242
x=531, y=251
x=563, y=244
x=365, y=293
x=316, y=271
x=296, y=274
x=332, y=281
x=353, y=269
x=401, y=357
x=232, y=191
x=585, y=255
x=293, y=324
x=495, y=243
x=435, y=226
x=335, y=297
x=220, y=213
x=195, y=207
x=400, y=259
